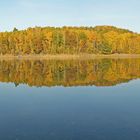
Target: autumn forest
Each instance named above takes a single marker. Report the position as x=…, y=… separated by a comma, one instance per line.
x=69, y=40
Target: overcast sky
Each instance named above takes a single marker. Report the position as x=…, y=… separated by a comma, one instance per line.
x=30, y=13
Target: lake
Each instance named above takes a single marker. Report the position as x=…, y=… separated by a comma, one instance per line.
x=70, y=99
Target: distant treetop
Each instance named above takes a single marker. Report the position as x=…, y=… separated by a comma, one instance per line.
x=15, y=30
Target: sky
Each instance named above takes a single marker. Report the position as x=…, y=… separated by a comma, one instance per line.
x=30, y=13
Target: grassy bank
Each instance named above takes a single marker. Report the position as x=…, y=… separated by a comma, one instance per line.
x=65, y=56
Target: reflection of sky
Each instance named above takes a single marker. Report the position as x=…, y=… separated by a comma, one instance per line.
x=25, y=13
x=64, y=113
x=130, y=87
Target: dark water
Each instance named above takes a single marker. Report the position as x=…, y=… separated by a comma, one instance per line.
x=70, y=100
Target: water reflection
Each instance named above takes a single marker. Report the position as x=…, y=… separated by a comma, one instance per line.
x=98, y=72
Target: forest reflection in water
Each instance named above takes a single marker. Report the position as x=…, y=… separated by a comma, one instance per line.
x=98, y=72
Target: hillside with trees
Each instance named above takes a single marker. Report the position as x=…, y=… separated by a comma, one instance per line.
x=69, y=40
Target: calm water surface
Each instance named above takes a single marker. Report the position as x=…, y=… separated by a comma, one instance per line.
x=70, y=100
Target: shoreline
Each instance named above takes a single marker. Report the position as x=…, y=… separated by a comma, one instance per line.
x=70, y=56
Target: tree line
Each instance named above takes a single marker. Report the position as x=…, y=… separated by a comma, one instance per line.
x=69, y=40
